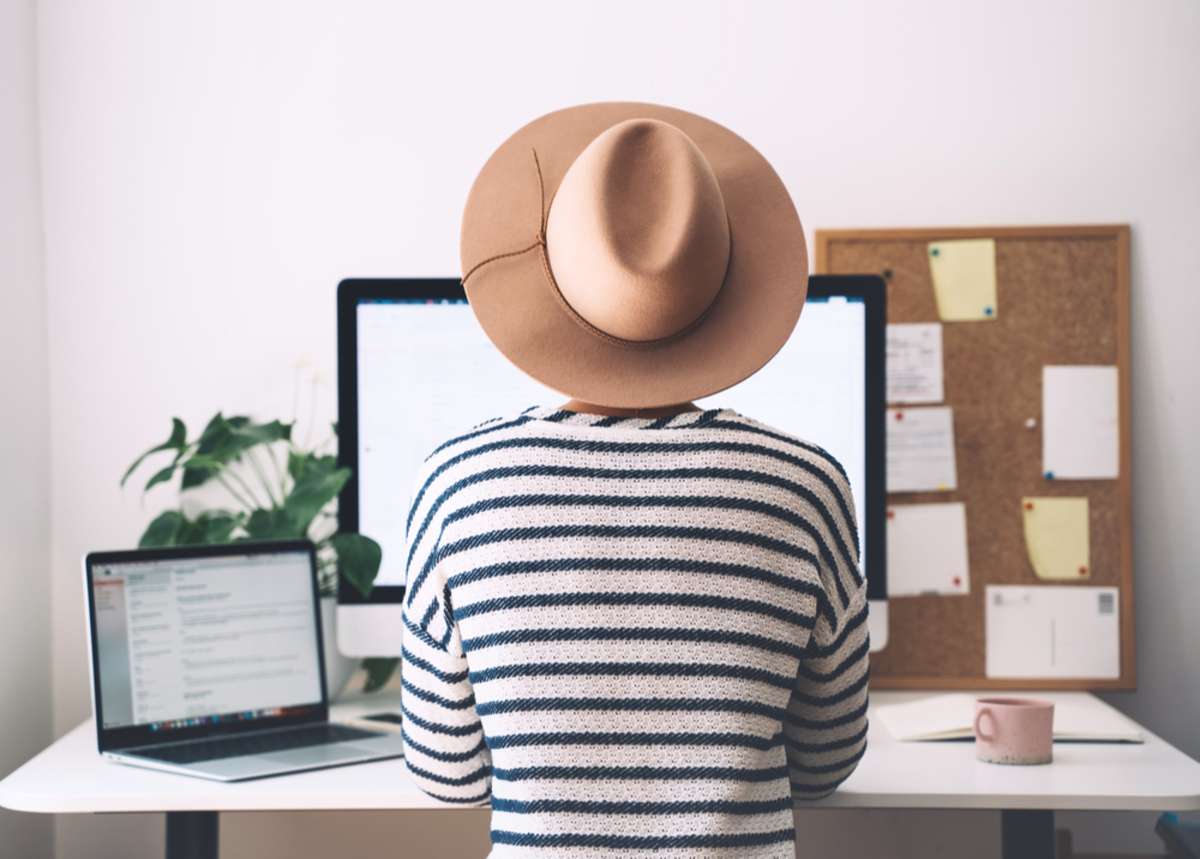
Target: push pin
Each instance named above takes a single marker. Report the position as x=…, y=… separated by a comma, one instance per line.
x=1030, y=423
x=956, y=581
x=891, y=514
x=1083, y=571
x=934, y=252
x=1049, y=475
x=987, y=311
x=1028, y=505
x=899, y=415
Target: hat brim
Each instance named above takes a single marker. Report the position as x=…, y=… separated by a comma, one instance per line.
x=522, y=313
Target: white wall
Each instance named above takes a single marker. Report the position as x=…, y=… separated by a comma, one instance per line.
x=211, y=170
x=24, y=448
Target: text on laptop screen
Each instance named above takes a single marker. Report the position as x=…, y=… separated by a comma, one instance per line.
x=197, y=641
x=427, y=372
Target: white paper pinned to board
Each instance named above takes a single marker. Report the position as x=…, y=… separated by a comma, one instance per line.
x=914, y=362
x=1053, y=631
x=1080, y=435
x=927, y=549
x=920, y=450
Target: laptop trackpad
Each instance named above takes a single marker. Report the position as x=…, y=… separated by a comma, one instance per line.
x=310, y=755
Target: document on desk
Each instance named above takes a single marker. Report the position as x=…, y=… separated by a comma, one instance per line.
x=927, y=550
x=950, y=717
x=920, y=450
x=1052, y=631
x=914, y=362
x=1080, y=435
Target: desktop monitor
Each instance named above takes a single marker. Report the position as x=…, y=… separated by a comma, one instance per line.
x=414, y=369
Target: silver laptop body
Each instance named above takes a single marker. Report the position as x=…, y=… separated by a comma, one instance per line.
x=206, y=661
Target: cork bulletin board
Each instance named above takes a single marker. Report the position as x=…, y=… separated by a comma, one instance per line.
x=1063, y=298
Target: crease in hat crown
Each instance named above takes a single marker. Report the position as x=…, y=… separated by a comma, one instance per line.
x=637, y=237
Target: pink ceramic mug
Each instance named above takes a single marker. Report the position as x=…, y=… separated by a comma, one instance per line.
x=1014, y=730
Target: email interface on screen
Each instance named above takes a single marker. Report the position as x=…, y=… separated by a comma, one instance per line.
x=202, y=641
x=426, y=372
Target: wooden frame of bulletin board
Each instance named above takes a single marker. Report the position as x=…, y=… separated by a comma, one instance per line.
x=1062, y=297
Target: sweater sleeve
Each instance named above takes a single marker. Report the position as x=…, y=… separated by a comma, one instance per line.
x=826, y=726
x=444, y=745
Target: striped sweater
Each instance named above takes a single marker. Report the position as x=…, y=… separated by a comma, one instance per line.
x=633, y=637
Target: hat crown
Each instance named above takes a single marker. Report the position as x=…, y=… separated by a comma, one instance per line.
x=637, y=235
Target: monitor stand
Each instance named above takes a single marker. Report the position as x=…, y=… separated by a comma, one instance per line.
x=877, y=623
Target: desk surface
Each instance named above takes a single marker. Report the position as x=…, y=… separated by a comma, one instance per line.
x=70, y=776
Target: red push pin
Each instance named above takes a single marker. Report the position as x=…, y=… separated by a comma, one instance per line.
x=1028, y=505
x=1083, y=571
x=956, y=581
x=899, y=416
x=891, y=514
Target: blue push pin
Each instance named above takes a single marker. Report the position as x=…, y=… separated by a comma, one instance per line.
x=1049, y=475
x=934, y=252
x=987, y=311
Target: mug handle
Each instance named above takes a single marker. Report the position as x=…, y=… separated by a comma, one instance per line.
x=979, y=732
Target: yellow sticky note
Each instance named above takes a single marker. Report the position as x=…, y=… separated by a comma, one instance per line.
x=964, y=278
x=1056, y=536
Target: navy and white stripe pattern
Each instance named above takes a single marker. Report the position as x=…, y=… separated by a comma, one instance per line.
x=633, y=636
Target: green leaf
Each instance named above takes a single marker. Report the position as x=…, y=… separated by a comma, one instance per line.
x=198, y=468
x=176, y=442
x=275, y=524
x=172, y=528
x=379, y=672
x=163, y=531
x=298, y=463
x=302, y=463
x=249, y=434
x=312, y=492
x=219, y=526
x=211, y=526
x=160, y=476
x=209, y=457
x=223, y=441
x=358, y=559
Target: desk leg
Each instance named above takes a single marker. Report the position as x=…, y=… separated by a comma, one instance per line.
x=1026, y=834
x=191, y=835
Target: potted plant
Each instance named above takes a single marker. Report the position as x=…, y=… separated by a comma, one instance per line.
x=241, y=480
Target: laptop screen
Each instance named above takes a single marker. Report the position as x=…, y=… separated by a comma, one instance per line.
x=186, y=642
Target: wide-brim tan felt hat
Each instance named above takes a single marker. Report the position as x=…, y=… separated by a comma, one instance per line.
x=633, y=255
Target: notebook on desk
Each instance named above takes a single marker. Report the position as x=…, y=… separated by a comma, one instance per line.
x=949, y=717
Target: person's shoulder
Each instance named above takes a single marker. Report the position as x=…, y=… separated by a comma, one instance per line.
x=478, y=438
x=801, y=453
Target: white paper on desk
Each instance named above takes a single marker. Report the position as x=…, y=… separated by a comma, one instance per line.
x=1053, y=631
x=1079, y=422
x=927, y=549
x=950, y=717
x=920, y=450
x=914, y=362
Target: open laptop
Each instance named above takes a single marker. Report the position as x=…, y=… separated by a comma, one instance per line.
x=207, y=661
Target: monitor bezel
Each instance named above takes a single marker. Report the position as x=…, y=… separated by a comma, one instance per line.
x=115, y=739
x=870, y=289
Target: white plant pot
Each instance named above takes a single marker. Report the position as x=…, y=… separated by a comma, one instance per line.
x=338, y=668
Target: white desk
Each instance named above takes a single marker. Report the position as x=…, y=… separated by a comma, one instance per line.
x=69, y=777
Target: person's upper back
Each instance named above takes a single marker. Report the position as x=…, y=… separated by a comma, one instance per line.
x=634, y=634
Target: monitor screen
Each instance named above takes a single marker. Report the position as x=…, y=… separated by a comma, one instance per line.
x=426, y=372
x=187, y=642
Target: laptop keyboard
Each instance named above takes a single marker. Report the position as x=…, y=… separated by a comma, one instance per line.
x=254, y=744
